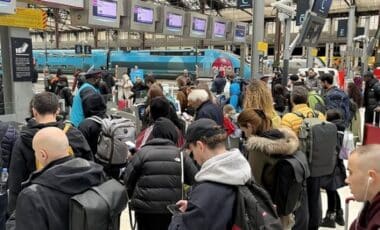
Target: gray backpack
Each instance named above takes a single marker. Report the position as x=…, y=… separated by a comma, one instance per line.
x=98, y=208
x=318, y=141
x=112, y=148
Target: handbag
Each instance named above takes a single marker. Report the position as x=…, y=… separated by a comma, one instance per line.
x=348, y=145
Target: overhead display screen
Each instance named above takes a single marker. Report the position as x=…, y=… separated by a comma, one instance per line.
x=174, y=21
x=220, y=29
x=7, y=6
x=143, y=15
x=104, y=8
x=199, y=24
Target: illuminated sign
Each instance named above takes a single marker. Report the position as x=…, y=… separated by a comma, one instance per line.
x=25, y=18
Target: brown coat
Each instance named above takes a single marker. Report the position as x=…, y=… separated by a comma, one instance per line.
x=182, y=98
x=261, y=149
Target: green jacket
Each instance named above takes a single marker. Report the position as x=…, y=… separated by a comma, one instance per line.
x=313, y=98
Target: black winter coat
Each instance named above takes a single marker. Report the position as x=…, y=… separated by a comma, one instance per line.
x=23, y=162
x=8, y=135
x=371, y=98
x=211, y=111
x=44, y=203
x=153, y=178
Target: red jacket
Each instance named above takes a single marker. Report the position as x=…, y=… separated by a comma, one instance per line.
x=369, y=218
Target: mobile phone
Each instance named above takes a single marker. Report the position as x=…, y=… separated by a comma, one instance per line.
x=130, y=144
x=173, y=209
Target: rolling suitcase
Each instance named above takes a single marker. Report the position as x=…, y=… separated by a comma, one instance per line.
x=347, y=209
x=372, y=132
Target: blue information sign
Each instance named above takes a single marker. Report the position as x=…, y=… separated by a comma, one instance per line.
x=322, y=7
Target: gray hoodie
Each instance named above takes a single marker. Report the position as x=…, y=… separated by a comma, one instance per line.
x=229, y=168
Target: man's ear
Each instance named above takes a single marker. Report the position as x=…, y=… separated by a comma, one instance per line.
x=34, y=111
x=373, y=175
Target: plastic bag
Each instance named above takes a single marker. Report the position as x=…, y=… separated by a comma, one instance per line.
x=348, y=145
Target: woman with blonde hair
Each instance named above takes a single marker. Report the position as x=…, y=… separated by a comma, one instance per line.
x=258, y=96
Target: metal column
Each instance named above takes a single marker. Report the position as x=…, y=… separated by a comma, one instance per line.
x=350, y=36
x=258, y=36
x=286, y=52
x=364, y=68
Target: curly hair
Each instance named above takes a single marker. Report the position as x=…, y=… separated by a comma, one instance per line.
x=354, y=94
x=258, y=96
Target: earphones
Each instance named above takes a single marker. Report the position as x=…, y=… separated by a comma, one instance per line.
x=369, y=181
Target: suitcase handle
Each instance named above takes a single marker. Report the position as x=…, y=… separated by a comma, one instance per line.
x=374, y=119
x=348, y=200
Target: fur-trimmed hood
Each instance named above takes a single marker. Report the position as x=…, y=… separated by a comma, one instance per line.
x=271, y=144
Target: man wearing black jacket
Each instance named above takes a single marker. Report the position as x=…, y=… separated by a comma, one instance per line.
x=44, y=108
x=371, y=96
x=44, y=202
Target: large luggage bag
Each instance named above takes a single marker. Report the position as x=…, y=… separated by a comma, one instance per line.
x=372, y=132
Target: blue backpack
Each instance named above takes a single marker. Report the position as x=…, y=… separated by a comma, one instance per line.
x=337, y=99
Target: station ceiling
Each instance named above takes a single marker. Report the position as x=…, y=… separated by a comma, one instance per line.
x=227, y=9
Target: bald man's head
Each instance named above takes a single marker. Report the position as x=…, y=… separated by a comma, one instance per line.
x=368, y=157
x=50, y=144
x=364, y=172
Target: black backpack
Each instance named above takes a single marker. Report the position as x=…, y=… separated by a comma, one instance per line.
x=254, y=209
x=98, y=208
x=291, y=173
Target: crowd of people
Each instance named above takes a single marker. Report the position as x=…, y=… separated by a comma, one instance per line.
x=186, y=158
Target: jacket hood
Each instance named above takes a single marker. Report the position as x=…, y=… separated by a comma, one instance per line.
x=159, y=141
x=32, y=127
x=285, y=144
x=96, y=106
x=340, y=124
x=228, y=168
x=69, y=175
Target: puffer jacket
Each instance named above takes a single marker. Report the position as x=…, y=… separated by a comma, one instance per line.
x=291, y=120
x=371, y=98
x=282, y=141
x=23, y=162
x=153, y=178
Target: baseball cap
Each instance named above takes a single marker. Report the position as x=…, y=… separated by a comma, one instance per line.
x=201, y=129
x=92, y=73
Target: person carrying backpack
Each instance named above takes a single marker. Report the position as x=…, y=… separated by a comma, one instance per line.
x=336, y=98
x=44, y=202
x=312, y=130
x=267, y=148
x=331, y=183
x=212, y=199
x=44, y=107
